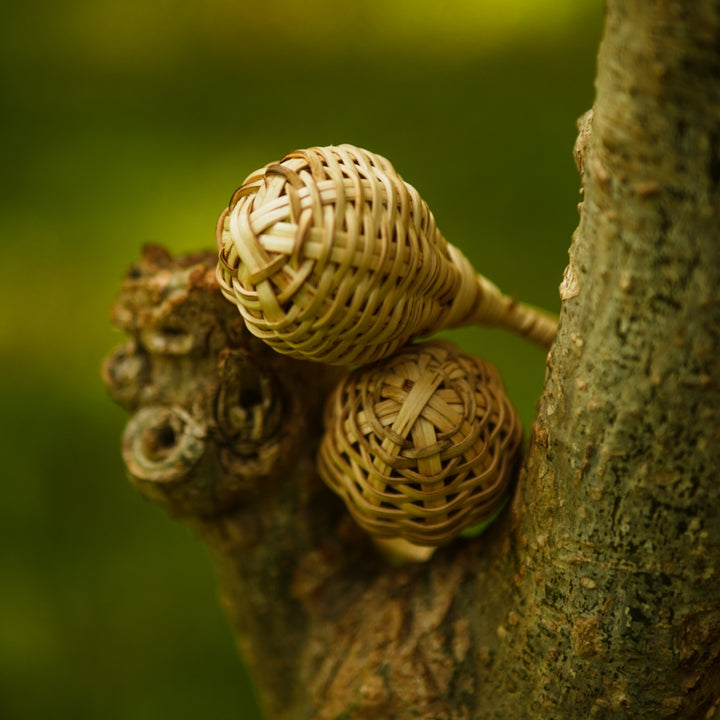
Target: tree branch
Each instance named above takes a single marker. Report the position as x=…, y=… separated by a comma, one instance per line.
x=619, y=539
x=598, y=595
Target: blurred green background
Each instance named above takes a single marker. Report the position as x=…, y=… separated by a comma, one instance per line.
x=132, y=122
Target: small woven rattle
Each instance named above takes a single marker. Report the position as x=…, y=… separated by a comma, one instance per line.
x=421, y=446
x=330, y=256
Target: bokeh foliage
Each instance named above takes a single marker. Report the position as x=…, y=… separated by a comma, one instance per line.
x=126, y=123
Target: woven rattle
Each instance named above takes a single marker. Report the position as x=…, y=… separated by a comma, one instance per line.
x=330, y=256
x=422, y=445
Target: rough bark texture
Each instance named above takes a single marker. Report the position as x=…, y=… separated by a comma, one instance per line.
x=619, y=536
x=598, y=594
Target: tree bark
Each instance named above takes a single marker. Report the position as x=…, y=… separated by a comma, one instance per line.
x=598, y=593
x=618, y=531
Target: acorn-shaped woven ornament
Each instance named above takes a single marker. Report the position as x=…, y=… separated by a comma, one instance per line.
x=330, y=256
x=421, y=446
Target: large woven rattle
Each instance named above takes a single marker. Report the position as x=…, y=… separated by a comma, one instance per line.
x=330, y=256
x=421, y=446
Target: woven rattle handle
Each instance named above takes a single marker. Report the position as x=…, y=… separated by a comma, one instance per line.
x=481, y=302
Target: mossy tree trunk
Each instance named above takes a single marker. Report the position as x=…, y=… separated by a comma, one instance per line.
x=598, y=594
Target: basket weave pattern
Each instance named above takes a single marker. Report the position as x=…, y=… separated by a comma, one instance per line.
x=329, y=255
x=421, y=445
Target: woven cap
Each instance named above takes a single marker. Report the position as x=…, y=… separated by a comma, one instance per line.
x=421, y=445
x=329, y=255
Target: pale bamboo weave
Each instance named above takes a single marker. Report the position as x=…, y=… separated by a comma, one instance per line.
x=329, y=255
x=421, y=445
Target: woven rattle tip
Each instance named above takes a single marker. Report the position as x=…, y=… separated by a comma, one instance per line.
x=422, y=445
x=330, y=256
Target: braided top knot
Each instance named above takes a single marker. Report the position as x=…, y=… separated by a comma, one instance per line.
x=421, y=445
x=330, y=255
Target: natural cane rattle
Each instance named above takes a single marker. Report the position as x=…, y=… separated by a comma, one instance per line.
x=330, y=256
x=421, y=446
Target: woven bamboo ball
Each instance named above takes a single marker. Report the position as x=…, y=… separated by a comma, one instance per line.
x=421, y=445
x=330, y=256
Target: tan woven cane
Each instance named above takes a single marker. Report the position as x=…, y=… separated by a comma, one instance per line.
x=421, y=445
x=330, y=256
